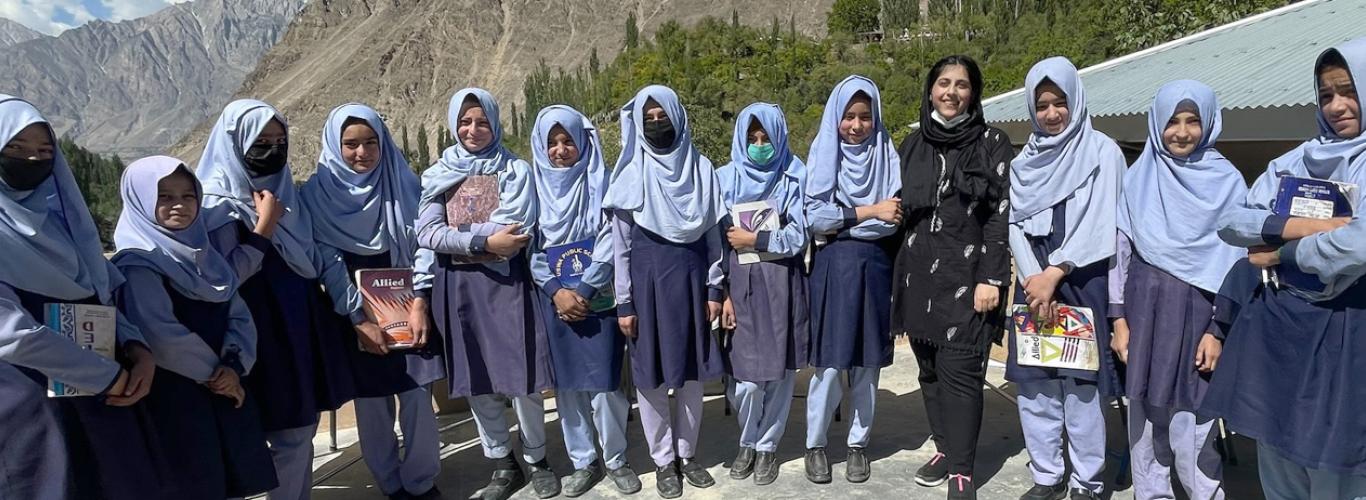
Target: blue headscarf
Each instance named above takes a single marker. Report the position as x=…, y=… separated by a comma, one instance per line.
x=1170, y=206
x=570, y=199
x=369, y=213
x=1329, y=156
x=183, y=256
x=853, y=174
x=743, y=180
x=69, y=264
x=228, y=187
x=1051, y=167
x=671, y=192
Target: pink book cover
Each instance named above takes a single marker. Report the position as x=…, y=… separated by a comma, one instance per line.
x=470, y=203
x=387, y=294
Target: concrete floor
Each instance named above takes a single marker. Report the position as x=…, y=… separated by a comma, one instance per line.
x=900, y=445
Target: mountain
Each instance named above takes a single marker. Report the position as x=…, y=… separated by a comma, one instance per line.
x=12, y=33
x=406, y=57
x=136, y=87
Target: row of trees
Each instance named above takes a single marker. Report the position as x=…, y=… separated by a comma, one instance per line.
x=98, y=178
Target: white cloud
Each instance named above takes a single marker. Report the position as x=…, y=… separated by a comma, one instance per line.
x=50, y=16
x=132, y=9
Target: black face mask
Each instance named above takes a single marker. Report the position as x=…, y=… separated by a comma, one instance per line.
x=266, y=159
x=659, y=134
x=22, y=174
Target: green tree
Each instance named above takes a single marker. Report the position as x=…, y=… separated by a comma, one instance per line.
x=423, y=151
x=632, y=31
x=853, y=16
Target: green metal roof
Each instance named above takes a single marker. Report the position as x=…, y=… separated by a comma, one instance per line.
x=1258, y=62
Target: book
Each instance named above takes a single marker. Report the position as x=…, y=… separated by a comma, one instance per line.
x=387, y=293
x=568, y=262
x=90, y=326
x=1068, y=342
x=756, y=216
x=1314, y=199
x=471, y=203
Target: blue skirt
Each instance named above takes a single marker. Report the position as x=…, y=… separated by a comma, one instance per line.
x=851, y=305
x=31, y=446
x=587, y=355
x=1290, y=375
x=674, y=343
x=772, y=324
x=1167, y=318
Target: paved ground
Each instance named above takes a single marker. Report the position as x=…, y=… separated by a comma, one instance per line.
x=899, y=447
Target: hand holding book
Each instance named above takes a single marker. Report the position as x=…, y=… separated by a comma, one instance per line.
x=139, y=377
x=507, y=242
x=371, y=338
x=570, y=306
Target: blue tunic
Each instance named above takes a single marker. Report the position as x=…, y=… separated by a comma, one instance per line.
x=772, y=325
x=587, y=355
x=851, y=305
x=400, y=370
x=1167, y=319
x=674, y=343
x=1084, y=287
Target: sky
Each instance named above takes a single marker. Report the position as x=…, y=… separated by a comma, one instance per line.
x=55, y=16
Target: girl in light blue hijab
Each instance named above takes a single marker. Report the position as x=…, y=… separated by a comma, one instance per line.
x=53, y=256
x=1169, y=264
x=1064, y=191
x=665, y=203
x=477, y=214
x=363, y=203
x=255, y=218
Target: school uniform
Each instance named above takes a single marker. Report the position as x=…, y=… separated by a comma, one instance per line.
x=1290, y=372
x=851, y=281
x=1064, y=191
x=68, y=447
x=352, y=214
x=183, y=294
x=1169, y=264
x=302, y=367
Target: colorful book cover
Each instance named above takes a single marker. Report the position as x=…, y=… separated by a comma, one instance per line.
x=471, y=203
x=568, y=262
x=756, y=216
x=89, y=326
x=1067, y=342
x=1314, y=199
x=387, y=293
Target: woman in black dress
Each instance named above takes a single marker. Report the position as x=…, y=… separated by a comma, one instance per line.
x=954, y=262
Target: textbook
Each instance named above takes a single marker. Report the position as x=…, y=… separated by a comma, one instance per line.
x=470, y=203
x=387, y=293
x=568, y=262
x=89, y=326
x=1314, y=199
x=755, y=216
x=1068, y=342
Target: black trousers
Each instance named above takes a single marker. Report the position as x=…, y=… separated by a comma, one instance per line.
x=951, y=381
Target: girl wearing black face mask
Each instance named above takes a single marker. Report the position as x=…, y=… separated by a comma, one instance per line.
x=254, y=218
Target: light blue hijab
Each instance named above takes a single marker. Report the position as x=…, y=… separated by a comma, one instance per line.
x=369, y=213
x=1329, y=156
x=853, y=174
x=456, y=163
x=1170, y=206
x=570, y=199
x=184, y=256
x=67, y=264
x=228, y=187
x=671, y=192
x=743, y=180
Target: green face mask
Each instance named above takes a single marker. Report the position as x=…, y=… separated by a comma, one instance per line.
x=761, y=154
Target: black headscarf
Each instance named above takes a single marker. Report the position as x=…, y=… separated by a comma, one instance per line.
x=964, y=147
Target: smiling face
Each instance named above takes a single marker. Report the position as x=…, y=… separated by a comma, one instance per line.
x=32, y=143
x=177, y=200
x=1050, y=108
x=1339, y=101
x=951, y=94
x=360, y=146
x=561, y=149
x=474, y=130
x=1183, y=133
x=856, y=125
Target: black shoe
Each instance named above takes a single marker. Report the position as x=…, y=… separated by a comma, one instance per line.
x=765, y=468
x=933, y=473
x=1084, y=494
x=961, y=487
x=667, y=481
x=582, y=480
x=817, y=467
x=431, y=494
x=625, y=479
x=743, y=465
x=856, y=466
x=696, y=474
x=504, y=483
x=544, y=480
x=1042, y=492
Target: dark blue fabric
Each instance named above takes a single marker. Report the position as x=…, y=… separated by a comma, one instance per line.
x=587, y=355
x=1167, y=319
x=851, y=305
x=400, y=370
x=674, y=342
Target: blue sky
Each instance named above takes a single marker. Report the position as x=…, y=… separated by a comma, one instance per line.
x=55, y=16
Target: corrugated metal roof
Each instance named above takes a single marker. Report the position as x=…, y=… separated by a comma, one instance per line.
x=1260, y=61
